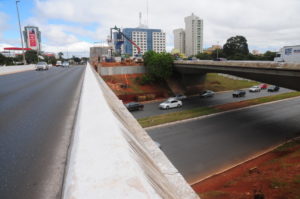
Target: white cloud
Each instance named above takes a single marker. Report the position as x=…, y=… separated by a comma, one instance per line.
x=265, y=23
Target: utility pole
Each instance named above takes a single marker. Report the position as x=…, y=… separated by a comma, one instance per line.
x=217, y=49
x=24, y=61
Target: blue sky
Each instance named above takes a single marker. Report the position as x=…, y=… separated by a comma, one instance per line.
x=74, y=25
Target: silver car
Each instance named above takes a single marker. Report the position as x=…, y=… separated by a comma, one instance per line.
x=170, y=103
x=42, y=66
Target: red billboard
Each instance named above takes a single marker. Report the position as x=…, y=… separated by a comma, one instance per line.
x=32, y=38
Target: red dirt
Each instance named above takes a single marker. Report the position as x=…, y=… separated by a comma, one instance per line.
x=275, y=174
x=132, y=89
x=112, y=64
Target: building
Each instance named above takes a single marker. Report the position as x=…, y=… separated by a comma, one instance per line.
x=97, y=53
x=146, y=39
x=32, y=38
x=193, y=35
x=179, y=40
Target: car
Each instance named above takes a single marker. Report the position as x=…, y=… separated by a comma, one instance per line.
x=263, y=86
x=254, y=89
x=134, y=106
x=207, y=93
x=238, y=93
x=180, y=97
x=65, y=64
x=42, y=66
x=58, y=63
x=220, y=59
x=170, y=103
x=273, y=88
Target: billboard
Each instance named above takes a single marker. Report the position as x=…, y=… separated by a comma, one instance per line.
x=32, y=38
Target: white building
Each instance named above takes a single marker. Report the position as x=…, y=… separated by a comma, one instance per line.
x=193, y=35
x=140, y=38
x=179, y=40
x=159, y=42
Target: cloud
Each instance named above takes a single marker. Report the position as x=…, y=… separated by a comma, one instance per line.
x=3, y=23
x=76, y=24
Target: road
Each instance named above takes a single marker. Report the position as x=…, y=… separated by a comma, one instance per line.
x=151, y=109
x=205, y=146
x=37, y=110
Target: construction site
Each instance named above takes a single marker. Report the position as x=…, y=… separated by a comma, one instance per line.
x=122, y=71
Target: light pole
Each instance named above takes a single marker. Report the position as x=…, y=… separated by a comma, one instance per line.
x=24, y=61
x=217, y=49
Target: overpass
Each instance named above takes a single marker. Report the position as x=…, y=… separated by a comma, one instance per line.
x=278, y=73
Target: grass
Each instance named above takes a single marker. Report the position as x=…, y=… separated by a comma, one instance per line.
x=182, y=115
x=218, y=82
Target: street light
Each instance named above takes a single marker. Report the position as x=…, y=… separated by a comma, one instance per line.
x=24, y=61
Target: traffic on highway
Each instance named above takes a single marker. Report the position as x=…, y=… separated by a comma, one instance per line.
x=152, y=109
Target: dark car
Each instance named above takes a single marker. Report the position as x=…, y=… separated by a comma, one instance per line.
x=134, y=106
x=207, y=93
x=239, y=93
x=273, y=88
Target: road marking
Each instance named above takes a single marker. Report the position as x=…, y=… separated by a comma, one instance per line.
x=215, y=114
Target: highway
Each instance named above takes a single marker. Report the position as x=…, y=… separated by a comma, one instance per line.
x=37, y=111
x=151, y=109
x=205, y=146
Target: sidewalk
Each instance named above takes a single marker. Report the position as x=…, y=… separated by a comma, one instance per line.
x=5, y=70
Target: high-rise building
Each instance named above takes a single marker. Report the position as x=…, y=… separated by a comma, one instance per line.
x=179, y=40
x=193, y=35
x=32, y=37
x=146, y=39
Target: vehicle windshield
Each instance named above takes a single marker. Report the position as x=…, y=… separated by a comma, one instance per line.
x=41, y=63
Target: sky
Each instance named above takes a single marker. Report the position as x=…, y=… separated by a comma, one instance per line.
x=73, y=26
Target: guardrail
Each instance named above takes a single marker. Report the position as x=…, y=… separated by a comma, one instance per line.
x=112, y=156
x=4, y=70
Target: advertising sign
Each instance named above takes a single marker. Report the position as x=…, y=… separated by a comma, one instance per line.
x=32, y=38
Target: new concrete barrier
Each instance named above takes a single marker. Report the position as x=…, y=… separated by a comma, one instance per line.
x=4, y=70
x=112, y=156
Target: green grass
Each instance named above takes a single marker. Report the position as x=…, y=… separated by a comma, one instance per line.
x=172, y=117
x=182, y=115
x=217, y=83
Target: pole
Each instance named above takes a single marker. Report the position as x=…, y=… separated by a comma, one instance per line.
x=217, y=49
x=24, y=61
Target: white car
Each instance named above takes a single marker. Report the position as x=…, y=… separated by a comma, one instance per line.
x=42, y=66
x=170, y=103
x=65, y=64
x=254, y=89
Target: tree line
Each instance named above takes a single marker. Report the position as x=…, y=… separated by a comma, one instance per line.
x=32, y=57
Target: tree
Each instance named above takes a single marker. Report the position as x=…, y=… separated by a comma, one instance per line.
x=236, y=48
x=204, y=56
x=158, y=65
x=269, y=55
x=31, y=56
x=60, y=54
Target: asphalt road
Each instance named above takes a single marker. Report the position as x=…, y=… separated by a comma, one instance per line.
x=37, y=110
x=152, y=109
x=205, y=146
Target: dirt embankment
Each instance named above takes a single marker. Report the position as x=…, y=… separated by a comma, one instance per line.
x=275, y=175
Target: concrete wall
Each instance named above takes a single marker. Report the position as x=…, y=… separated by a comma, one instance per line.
x=112, y=156
x=120, y=70
x=4, y=70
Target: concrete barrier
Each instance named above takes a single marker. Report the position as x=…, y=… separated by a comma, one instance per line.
x=112, y=156
x=4, y=70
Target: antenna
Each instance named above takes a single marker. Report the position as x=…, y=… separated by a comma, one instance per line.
x=140, y=17
x=147, y=14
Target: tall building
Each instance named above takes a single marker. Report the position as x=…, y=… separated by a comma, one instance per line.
x=32, y=37
x=146, y=39
x=179, y=40
x=193, y=35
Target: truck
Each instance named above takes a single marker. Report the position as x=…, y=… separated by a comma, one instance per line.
x=58, y=63
x=289, y=54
